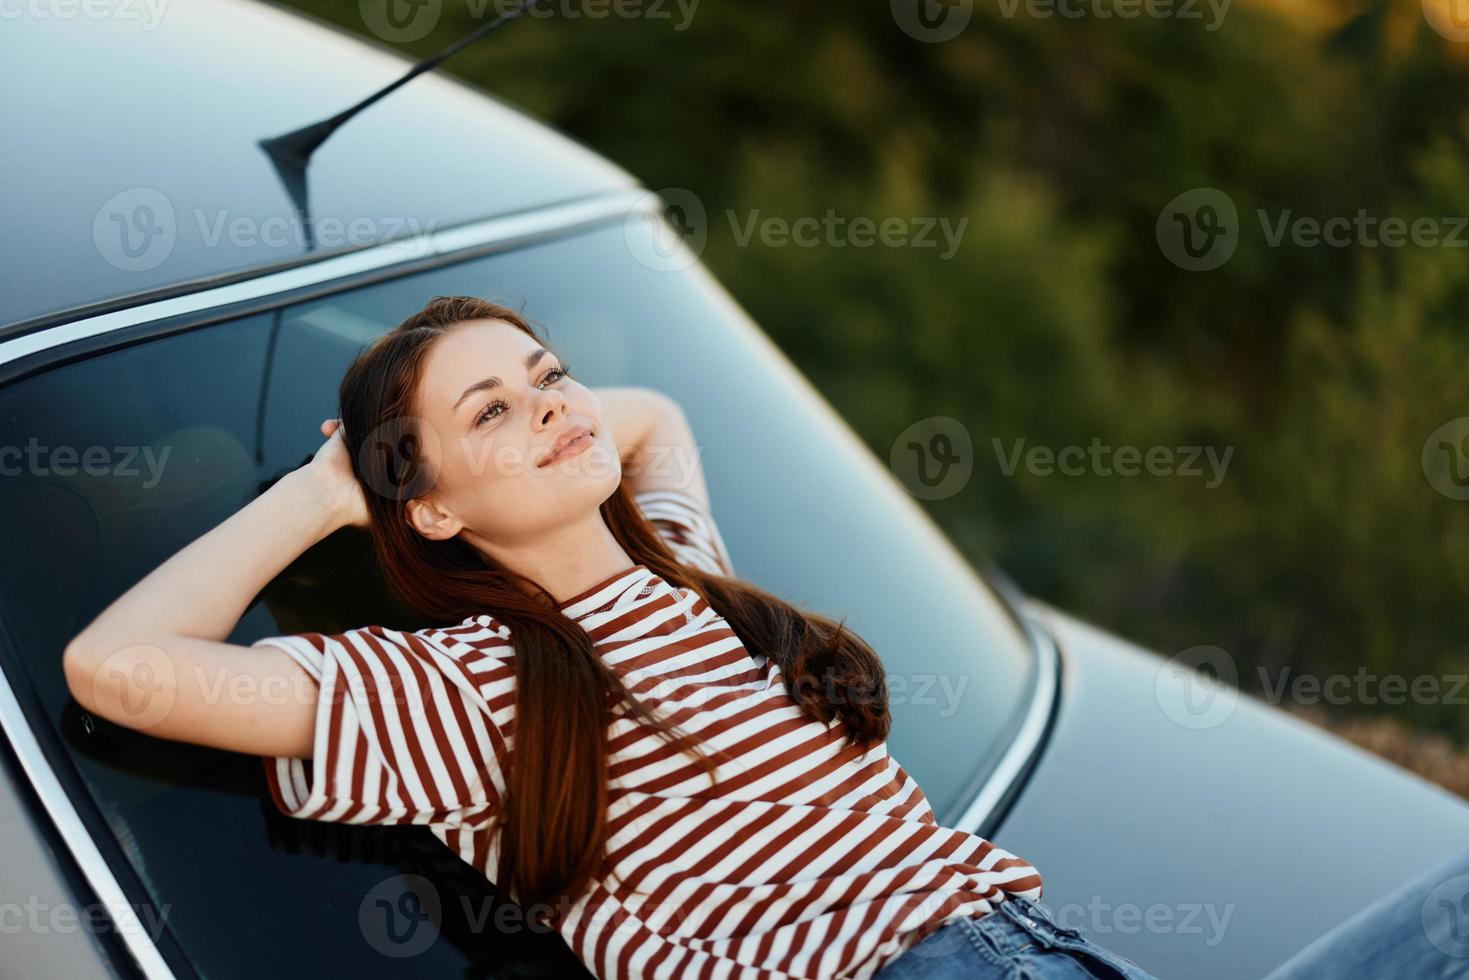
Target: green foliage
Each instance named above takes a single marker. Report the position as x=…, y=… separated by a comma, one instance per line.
x=1059, y=319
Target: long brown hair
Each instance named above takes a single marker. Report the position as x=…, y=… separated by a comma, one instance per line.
x=552, y=817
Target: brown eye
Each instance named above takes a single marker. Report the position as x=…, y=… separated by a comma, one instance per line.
x=484, y=416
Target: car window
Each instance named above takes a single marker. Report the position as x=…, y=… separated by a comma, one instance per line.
x=116, y=461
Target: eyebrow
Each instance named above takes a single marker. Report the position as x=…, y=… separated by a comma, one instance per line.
x=531, y=360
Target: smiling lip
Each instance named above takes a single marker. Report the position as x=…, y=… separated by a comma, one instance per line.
x=575, y=441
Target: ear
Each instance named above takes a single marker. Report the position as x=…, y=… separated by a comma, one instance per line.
x=425, y=517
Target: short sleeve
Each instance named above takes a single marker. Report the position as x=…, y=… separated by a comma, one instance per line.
x=397, y=740
x=688, y=529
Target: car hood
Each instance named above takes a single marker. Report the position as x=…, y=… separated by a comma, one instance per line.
x=1211, y=851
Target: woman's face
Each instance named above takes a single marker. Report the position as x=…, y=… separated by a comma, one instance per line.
x=493, y=405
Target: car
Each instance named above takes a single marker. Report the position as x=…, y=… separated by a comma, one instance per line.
x=175, y=320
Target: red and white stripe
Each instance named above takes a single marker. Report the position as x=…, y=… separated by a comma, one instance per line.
x=803, y=858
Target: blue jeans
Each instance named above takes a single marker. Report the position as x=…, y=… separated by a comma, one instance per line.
x=1420, y=930
x=1017, y=941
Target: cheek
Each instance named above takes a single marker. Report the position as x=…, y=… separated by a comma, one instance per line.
x=501, y=495
x=584, y=401
x=491, y=460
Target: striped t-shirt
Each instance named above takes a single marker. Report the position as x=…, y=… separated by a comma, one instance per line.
x=806, y=859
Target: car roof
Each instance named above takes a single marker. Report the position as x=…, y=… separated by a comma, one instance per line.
x=150, y=130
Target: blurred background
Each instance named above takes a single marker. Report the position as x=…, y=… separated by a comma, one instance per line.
x=1228, y=235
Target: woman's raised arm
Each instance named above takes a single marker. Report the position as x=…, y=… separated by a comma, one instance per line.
x=655, y=441
x=155, y=660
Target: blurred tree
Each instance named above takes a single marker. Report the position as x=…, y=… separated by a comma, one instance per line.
x=1059, y=319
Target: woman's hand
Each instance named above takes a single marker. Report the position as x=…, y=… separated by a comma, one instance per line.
x=654, y=441
x=201, y=592
x=332, y=467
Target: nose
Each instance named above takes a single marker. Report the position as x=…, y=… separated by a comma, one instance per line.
x=552, y=406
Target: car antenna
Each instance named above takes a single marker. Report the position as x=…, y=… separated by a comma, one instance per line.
x=291, y=152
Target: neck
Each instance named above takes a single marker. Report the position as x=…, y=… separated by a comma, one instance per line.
x=565, y=561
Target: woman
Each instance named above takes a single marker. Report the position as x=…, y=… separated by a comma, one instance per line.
x=700, y=783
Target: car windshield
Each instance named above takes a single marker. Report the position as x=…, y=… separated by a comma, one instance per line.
x=119, y=459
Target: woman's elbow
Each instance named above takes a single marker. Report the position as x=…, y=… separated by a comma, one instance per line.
x=79, y=666
x=95, y=675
